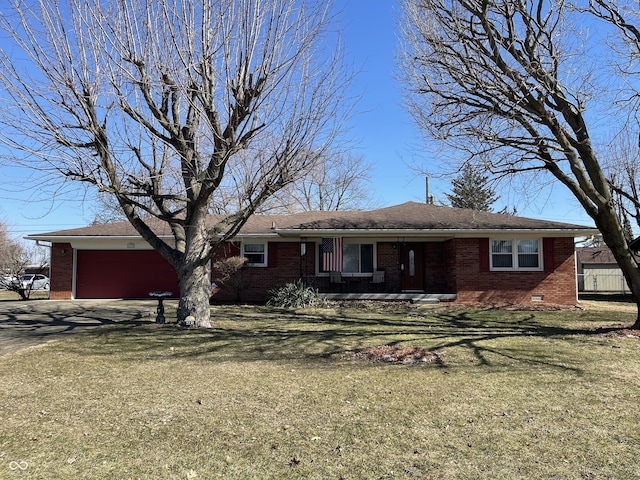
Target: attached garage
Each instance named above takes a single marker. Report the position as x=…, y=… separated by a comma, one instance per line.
x=123, y=274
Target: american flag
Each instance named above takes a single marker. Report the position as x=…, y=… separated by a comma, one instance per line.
x=332, y=254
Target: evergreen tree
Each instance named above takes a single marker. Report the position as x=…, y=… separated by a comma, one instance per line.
x=470, y=190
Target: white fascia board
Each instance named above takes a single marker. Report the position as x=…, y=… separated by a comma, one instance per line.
x=71, y=238
x=122, y=242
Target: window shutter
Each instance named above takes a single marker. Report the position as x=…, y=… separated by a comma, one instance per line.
x=547, y=253
x=272, y=260
x=234, y=249
x=483, y=244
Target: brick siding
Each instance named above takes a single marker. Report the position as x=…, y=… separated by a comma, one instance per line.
x=453, y=266
x=389, y=261
x=61, y=283
x=474, y=286
x=285, y=265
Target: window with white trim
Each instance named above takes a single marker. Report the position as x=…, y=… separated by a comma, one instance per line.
x=516, y=254
x=255, y=253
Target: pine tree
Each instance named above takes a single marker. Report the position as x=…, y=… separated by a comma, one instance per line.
x=470, y=190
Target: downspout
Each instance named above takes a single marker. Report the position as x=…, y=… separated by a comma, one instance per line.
x=400, y=265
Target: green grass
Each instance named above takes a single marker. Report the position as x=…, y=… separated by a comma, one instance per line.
x=275, y=394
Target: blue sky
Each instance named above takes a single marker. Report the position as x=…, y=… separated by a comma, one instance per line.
x=384, y=133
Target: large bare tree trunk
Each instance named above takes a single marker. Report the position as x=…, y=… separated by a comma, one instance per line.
x=162, y=105
x=195, y=285
x=194, y=271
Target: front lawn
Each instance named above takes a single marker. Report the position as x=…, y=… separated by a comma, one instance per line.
x=274, y=394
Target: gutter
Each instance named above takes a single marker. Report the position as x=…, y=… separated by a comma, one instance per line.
x=75, y=238
x=346, y=232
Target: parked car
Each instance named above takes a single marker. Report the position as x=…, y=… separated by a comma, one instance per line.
x=35, y=281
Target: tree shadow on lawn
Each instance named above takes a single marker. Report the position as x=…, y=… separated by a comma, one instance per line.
x=258, y=335
x=26, y=324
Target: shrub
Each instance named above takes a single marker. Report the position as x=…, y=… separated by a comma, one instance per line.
x=227, y=274
x=294, y=295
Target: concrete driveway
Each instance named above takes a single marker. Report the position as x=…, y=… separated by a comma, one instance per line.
x=28, y=323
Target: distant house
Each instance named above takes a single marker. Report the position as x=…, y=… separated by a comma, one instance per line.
x=411, y=250
x=598, y=271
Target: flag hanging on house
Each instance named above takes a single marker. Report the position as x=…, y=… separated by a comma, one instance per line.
x=332, y=254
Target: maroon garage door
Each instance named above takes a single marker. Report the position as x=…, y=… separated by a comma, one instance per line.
x=123, y=274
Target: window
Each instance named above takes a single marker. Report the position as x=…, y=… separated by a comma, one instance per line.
x=523, y=254
x=353, y=257
x=528, y=254
x=502, y=253
x=255, y=253
x=358, y=258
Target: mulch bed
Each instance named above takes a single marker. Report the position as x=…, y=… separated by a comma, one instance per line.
x=397, y=355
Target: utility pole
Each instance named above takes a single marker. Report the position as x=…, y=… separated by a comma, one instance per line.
x=428, y=197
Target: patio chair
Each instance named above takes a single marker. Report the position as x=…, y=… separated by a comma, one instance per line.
x=378, y=277
x=335, y=277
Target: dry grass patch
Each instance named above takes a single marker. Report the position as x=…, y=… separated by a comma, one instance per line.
x=34, y=295
x=275, y=394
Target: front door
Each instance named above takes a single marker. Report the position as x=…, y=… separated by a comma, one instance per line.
x=412, y=266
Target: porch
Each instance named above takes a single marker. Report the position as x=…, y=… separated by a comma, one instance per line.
x=400, y=271
x=413, y=297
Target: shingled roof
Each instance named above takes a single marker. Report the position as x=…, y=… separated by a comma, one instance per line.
x=407, y=217
x=595, y=256
x=422, y=216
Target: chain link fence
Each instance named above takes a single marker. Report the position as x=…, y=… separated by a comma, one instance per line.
x=592, y=282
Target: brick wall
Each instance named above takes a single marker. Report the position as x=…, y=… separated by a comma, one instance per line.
x=451, y=267
x=475, y=286
x=436, y=276
x=388, y=261
x=450, y=248
x=61, y=271
x=285, y=265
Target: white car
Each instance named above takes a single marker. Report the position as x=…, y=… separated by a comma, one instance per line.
x=35, y=281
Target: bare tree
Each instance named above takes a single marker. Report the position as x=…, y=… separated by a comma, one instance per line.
x=227, y=275
x=8, y=249
x=153, y=102
x=524, y=83
x=622, y=163
x=339, y=182
x=14, y=260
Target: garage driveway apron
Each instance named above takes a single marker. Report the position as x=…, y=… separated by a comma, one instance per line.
x=25, y=324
